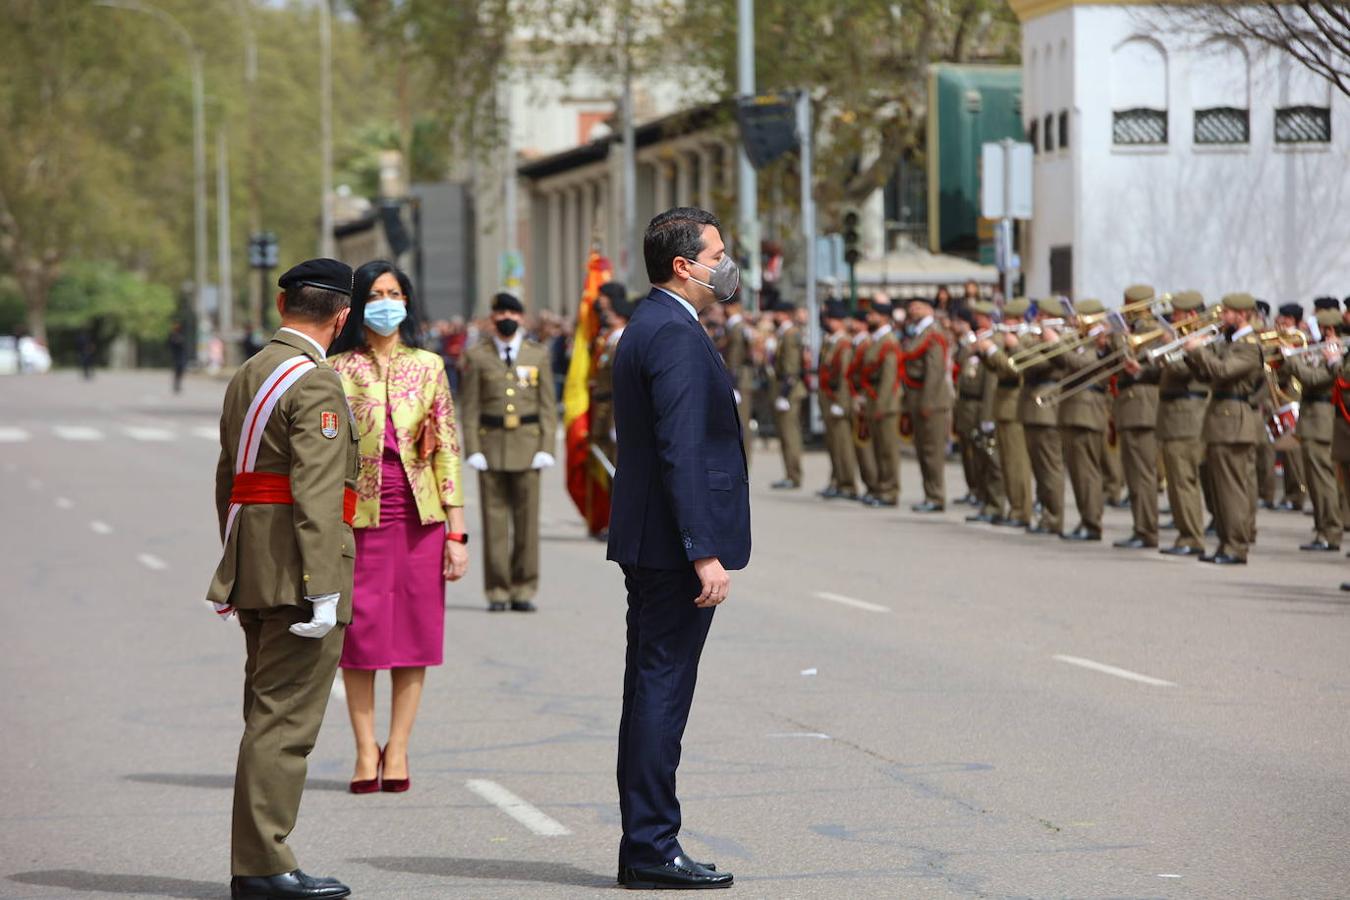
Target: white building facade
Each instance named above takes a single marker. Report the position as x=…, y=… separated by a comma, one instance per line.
x=1183, y=162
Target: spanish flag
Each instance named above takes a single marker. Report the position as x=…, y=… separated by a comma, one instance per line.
x=587, y=480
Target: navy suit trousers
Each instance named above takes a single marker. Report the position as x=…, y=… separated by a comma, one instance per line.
x=666, y=632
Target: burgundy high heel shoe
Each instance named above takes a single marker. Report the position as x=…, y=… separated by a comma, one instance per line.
x=370, y=785
x=396, y=785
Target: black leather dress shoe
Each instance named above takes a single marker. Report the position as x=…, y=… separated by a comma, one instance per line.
x=1039, y=529
x=622, y=877
x=980, y=517
x=1318, y=545
x=1012, y=523
x=1345, y=585
x=785, y=484
x=927, y=506
x=522, y=606
x=1082, y=533
x=828, y=494
x=1182, y=551
x=681, y=873
x=1133, y=542
x=286, y=886
x=496, y=606
x=1224, y=559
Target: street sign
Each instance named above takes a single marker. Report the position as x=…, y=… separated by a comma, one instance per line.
x=768, y=127
x=1005, y=183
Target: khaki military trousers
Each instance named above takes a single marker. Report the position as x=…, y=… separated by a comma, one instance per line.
x=1083, y=450
x=839, y=442
x=1139, y=459
x=865, y=453
x=1265, y=472
x=1296, y=475
x=930, y=444
x=287, y=680
x=746, y=388
x=886, y=445
x=1047, y=464
x=1321, y=480
x=789, y=426
x=1181, y=460
x=989, y=474
x=968, y=411
x=510, y=502
x=1016, y=465
x=1233, y=469
x=1113, y=476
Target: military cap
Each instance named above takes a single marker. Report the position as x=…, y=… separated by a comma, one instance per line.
x=1326, y=303
x=783, y=306
x=1263, y=307
x=1188, y=300
x=1017, y=306
x=883, y=307
x=1328, y=318
x=1089, y=307
x=614, y=290
x=834, y=309
x=1292, y=310
x=1050, y=306
x=860, y=314
x=504, y=302
x=982, y=307
x=327, y=274
x=1137, y=292
x=1239, y=302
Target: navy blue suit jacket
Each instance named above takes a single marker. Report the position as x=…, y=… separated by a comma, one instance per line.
x=682, y=489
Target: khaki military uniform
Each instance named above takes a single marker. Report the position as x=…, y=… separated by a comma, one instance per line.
x=1011, y=440
x=1265, y=450
x=880, y=379
x=601, y=387
x=1231, y=432
x=736, y=353
x=834, y=396
x=1340, y=441
x=1316, y=425
x=275, y=556
x=863, y=445
x=1082, y=428
x=509, y=415
x=1113, y=475
x=1136, y=415
x=976, y=389
x=789, y=385
x=1040, y=423
x=1181, y=412
x=928, y=403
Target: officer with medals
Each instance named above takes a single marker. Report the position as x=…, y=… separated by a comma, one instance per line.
x=510, y=424
x=285, y=497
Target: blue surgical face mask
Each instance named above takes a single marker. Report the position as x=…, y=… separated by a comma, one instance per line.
x=384, y=316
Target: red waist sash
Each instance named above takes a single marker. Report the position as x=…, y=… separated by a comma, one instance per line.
x=270, y=487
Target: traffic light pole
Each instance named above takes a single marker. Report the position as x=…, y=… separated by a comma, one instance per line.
x=747, y=179
x=852, y=288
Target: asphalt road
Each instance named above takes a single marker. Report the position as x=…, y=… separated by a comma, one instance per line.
x=890, y=705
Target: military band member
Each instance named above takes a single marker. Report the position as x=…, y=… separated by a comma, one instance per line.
x=1316, y=421
x=510, y=423
x=788, y=389
x=974, y=421
x=1234, y=370
x=737, y=352
x=835, y=355
x=1289, y=319
x=1082, y=427
x=1136, y=416
x=285, y=495
x=927, y=399
x=1013, y=458
x=879, y=376
x=1040, y=424
x=617, y=310
x=864, y=449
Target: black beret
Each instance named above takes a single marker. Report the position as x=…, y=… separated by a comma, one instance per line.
x=328, y=274
x=1263, y=307
x=860, y=314
x=1293, y=311
x=505, y=302
x=614, y=290
x=883, y=307
x=783, y=306
x=835, y=309
x=1326, y=303
x=622, y=306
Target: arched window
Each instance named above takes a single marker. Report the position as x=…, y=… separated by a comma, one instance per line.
x=1221, y=93
x=1304, y=113
x=1139, y=93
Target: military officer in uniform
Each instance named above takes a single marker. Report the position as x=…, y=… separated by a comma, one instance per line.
x=1013, y=458
x=285, y=496
x=879, y=375
x=926, y=374
x=835, y=356
x=510, y=423
x=1316, y=421
x=1136, y=413
x=863, y=448
x=1082, y=429
x=789, y=389
x=974, y=420
x=617, y=311
x=1040, y=424
x=736, y=347
x=1290, y=320
x=1234, y=370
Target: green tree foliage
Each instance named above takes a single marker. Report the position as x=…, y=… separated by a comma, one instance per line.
x=116, y=302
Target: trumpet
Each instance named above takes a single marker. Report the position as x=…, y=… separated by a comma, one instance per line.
x=1111, y=364
x=1333, y=344
x=1275, y=343
x=1172, y=350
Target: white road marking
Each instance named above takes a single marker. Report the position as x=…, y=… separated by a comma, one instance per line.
x=13, y=435
x=1112, y=670
x=806, y=673
x=1169, y=876
x=852, y=601
x=152, y=562
x=209, y=432
x=65, y=503
x=818, y=735
x=100, y=527
x=527, y=815
x=142, y=433
x=77, y=433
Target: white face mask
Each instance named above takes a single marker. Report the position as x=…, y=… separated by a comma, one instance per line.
x=384, y=316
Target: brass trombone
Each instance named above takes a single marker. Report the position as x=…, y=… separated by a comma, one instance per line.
x=1085, y=324
x=1111, y=364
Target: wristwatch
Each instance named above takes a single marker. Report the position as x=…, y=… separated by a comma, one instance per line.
x=457, y=536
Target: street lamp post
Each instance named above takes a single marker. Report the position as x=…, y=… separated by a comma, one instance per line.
x=326, y=245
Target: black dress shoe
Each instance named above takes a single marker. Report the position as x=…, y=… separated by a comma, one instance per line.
x=1133, y=542
x=496, y=606
x=1039, y=529
x=1224, y=559
x=286, y=886
x=1345, y=585
x=1318, y=545
x=622, y=877
x=828, y=494
x=980, y=517
x=1289, y=506
x=785, y=484
x=522, y=606
x=845, y=495
x=681, y=873
x=1082, y=533
x=1182, y=551
x=1012, y=523
x=927, y=506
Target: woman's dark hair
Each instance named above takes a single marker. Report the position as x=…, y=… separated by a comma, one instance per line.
x=354, y=334
x=675, y=232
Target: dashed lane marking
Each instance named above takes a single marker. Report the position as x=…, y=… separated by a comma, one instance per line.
x=152, y=562
x=100, y=527
x=77, y=433
x=143, y=433
x=13, y=435
x=65, y=503
x=853, y=602
x=1112, y=670
x=208, y=432
x=524, y=813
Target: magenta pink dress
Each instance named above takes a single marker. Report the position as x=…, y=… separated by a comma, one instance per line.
x=398, y=605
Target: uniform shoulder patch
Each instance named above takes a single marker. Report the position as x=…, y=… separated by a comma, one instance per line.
x=328, y=424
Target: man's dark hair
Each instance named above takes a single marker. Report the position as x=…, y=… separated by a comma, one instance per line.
x=675, y=232
x=316, y=305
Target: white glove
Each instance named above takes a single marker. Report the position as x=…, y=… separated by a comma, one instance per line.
x=477, y=461
x=325, y=617
x=224, y=610
x=541, y=460
x=987, y=427
x=782, y=404
x=836, y=410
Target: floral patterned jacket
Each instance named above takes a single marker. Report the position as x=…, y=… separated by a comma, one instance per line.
x=417, y=387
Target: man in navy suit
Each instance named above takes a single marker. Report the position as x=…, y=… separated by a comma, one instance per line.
x=679, y=520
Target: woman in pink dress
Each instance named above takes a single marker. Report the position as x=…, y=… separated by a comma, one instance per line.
x=410, y=532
